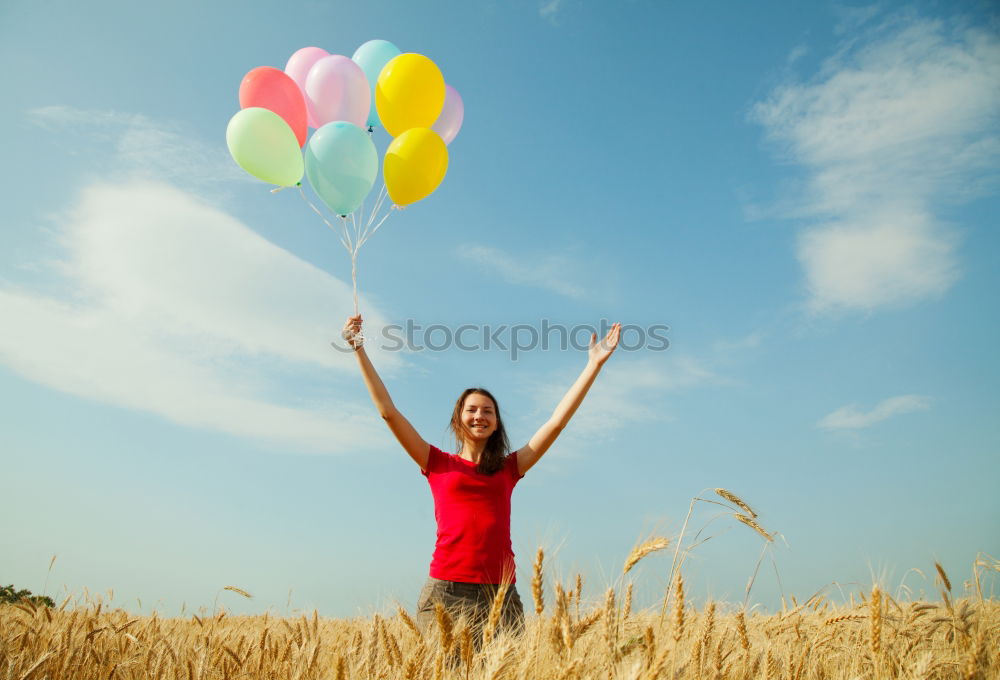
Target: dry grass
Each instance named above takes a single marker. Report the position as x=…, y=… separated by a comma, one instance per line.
x=879, y=638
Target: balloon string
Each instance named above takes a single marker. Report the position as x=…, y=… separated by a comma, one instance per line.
x=369, y=230
x=354, y=263
x=356, y=224
x=380, y=222
x=382, y=193
x=321, y=216
x=345, y=237
x=360, y=212
x=355, y=235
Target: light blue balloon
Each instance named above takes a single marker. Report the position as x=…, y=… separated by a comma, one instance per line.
x=372, y=58
x=341, y=165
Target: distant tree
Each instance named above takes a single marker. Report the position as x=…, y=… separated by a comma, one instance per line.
x=10, y=595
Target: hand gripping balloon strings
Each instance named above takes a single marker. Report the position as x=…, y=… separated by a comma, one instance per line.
x=355, y=231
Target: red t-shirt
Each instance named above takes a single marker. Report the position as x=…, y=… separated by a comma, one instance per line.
x=473, y=518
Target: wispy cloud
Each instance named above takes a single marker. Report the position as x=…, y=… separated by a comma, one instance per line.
x=851, y=19
x=142, y=147
x=549, y=9
x=632, y=392
x=738, y=345
x=178, y=309
x=851, y=417
x=556, y=273
x=900, y=121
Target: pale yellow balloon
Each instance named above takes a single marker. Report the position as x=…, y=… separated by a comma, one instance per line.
x=409, y=93
x=415, y=164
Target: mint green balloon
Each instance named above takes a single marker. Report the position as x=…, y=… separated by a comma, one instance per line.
x=264, y=145
x=341, y=164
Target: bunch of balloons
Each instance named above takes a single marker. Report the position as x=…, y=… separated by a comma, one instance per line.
x=343, y=99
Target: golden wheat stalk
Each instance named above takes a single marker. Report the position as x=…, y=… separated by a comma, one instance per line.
x=239, y=591
x=536, y=584
x=495, y=610
x=648, y=646
x=466, y=649
x=584, y=625
x=944, y=577
x=737, y=501
x=709, y=626
x=752, y=523
x=445, y=626
x=844, y=617
x=679, y=609
x=875, y=611
x=409, y=622
x=645, y=548
x=610, y=620
x=741, y=629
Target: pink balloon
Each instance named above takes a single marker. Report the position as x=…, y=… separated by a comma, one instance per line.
x=450, y=121
x=338, y=90
x=297, y=69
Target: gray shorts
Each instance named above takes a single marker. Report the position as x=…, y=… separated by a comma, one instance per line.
x=471, y=600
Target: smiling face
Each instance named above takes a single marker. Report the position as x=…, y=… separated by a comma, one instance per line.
x=478, y=426
x=479, y=417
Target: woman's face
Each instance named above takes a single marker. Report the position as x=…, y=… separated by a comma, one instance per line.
x=479, y=415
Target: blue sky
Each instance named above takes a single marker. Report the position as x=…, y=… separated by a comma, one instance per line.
x=805, y=193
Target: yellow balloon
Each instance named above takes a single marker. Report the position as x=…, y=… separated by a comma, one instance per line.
x=415, y=164
x=409, y=93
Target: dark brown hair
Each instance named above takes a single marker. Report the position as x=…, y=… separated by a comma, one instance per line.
x=497, y=445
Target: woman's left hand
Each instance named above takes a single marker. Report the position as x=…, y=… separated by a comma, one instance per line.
x=601, y=351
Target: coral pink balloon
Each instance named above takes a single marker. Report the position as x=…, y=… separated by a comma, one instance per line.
x=450, y=121
x=269, y=88
x=337, y=89
x=297, y=69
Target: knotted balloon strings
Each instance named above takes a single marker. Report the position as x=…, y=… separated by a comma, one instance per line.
x=355, y=231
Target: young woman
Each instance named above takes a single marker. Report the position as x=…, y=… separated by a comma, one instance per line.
x=472, y=488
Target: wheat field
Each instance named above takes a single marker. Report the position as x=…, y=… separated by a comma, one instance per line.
x=877, y=637
x=567, y=635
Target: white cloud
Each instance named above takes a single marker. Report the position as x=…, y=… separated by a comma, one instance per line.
x=893, y=256
x=631, y=392
x=157, y=256
x=549, y=9
x=556, y=273
x=899, y=122
x=178, y=309
x=99, y=355
x=852, y=418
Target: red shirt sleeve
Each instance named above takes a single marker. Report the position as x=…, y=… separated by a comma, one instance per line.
x=434, y=457
x=512, y=467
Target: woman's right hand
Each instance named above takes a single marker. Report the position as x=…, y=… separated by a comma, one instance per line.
x=352, y=332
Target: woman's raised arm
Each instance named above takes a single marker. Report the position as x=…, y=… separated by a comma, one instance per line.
x=599, y=353
x=405, y=433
